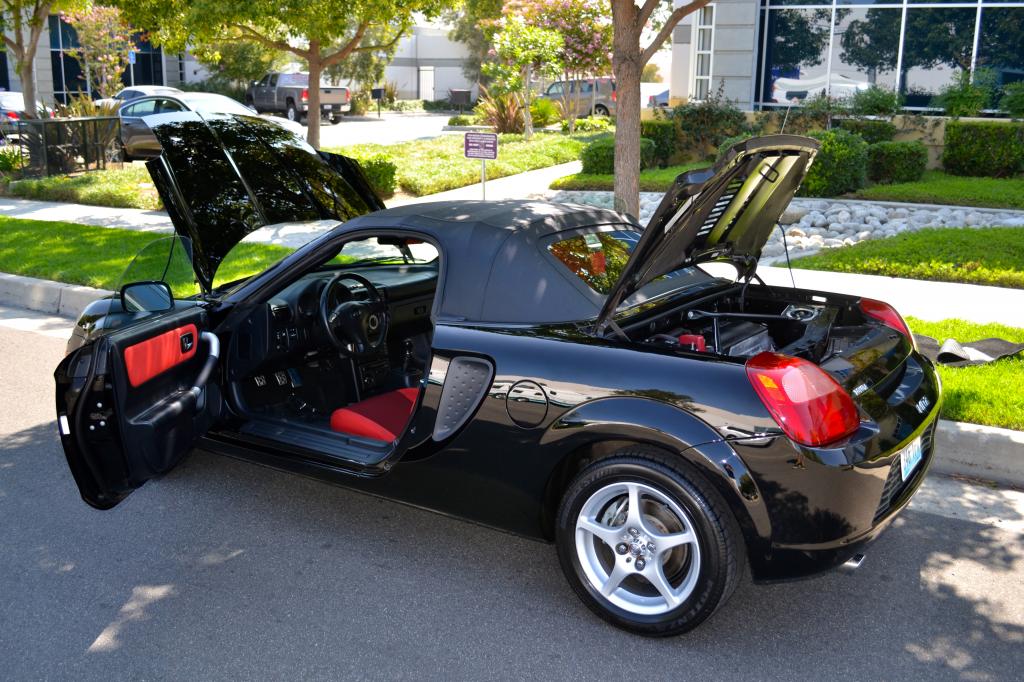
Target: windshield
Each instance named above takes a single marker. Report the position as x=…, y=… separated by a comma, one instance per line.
x=12, y=100
x=217, y=104
x=598, y=259
x=299, y=80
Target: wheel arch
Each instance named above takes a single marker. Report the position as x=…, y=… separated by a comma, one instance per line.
x=597, y=430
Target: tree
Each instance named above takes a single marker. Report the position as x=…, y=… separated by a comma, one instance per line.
x=367, y=67
x=24, y=20
x=104, y=41
x=629, y=56
x=799, y=37
x=586, y=31
x=523, y=51
x=650, y=74
x=474, y=24
x=322, y=33
x=236, y=64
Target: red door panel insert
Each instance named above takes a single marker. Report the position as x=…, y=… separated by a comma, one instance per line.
x=155, y=356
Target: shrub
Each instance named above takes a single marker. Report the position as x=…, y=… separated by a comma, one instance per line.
x=501, y=111
x=663, y=134
x=598, y=157
x=872, y=130
x=1013, y=99
x=840, y=167
x=890, y=162
x=875, y=101
x=962, y=97
x=727, y=144
x=380, y=172
x=983, y=148
x=703, y=125
x=544, y=112
x=10, y=158
x=437, y=105
x=590, y=124
x=460, y=120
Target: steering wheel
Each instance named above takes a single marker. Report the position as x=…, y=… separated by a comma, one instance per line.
x=354, y=326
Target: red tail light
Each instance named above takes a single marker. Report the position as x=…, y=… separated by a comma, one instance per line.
x=887, y=315
x=615, y=97
x=13, y=115
x=305, y=95
x=348, y=95
x=807, y=403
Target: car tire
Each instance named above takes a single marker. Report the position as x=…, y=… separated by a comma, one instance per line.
x=335, y=120
x=600, y=110
x=677, y=505
x=292, y=113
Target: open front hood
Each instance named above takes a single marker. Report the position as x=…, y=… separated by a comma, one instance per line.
x=222, y=177
x=722, y=213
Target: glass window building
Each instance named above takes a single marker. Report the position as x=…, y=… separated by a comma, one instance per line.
x=795, y=49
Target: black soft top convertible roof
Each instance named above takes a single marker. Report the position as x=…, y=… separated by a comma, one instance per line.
x=497, y=267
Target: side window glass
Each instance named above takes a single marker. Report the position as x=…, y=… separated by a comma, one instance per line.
x=555, y=89
x=141, y=109
x=273, y=80
x=168, y=106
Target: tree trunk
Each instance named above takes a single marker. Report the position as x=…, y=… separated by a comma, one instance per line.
x=527, y=115
x=313, y=112
x=627, y=64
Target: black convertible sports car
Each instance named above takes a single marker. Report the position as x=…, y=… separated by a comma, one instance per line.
x=635, y=395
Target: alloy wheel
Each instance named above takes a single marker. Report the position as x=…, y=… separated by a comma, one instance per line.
x=638, y=548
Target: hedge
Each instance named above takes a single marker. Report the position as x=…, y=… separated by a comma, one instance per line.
x=982, y=148
x=840, y=166
x=380, y=172
x=598, y=157
x=663, y=134
x=872, y=130
x=727, y=144
x=890, y=162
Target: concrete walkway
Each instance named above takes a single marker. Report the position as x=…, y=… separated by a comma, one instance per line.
x=917, y=298
x=529, y=185
x=102, y=216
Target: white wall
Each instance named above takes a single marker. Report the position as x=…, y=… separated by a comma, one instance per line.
x=428, y=46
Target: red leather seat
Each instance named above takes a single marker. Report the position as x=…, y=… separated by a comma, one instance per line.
x=382, y=417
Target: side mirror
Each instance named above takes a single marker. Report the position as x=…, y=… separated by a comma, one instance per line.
x=146, y=297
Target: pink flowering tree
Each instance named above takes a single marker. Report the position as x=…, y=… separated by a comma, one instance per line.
x=104, y=41
x=586, y=30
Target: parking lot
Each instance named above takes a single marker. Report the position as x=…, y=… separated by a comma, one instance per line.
x=225, y=569
x=388, y=129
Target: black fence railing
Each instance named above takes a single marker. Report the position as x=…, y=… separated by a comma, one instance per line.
x=56, y=146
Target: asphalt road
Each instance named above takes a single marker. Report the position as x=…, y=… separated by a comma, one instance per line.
x=388, y=129
x=225, y=569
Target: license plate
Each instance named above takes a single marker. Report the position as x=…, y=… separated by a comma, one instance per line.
x=910, y=457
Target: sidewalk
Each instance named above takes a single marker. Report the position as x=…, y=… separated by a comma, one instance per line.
x=529, y=185
x=101, y=216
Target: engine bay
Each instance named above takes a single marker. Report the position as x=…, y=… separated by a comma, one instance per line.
x=741, y=323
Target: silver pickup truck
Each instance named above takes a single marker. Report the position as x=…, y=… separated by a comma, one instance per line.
x=288, y=93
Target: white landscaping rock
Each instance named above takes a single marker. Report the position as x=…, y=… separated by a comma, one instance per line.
x=813, y=224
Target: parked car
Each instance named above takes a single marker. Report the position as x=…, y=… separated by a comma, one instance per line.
x=12, y=110
x=138, y=140
x=659, y=99
x=288, y=94
x=137, y=91
x=583, y=91
x=551, y=370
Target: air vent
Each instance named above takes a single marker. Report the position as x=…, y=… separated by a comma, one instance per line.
x=280, y=312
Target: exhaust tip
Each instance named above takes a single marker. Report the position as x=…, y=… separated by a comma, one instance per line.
x=854, y=562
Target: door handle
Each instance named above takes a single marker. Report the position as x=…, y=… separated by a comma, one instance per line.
x=211, y=362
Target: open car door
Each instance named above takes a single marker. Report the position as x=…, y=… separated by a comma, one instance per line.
x=131, y=403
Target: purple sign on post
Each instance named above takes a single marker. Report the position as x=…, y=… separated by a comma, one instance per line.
x=481, y=146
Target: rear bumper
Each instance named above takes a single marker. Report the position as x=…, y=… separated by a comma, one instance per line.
x=826, y=505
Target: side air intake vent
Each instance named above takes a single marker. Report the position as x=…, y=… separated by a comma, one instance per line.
x=465, y=385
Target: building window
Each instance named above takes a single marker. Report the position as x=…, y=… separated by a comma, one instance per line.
x=68, y=78
x=5, y=77
x=703, y=50
x=917, y=47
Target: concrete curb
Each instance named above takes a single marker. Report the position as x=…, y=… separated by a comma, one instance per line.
x=45, y=296
x=984, y=452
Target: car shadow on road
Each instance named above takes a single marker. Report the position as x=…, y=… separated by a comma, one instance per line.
x=225, y=566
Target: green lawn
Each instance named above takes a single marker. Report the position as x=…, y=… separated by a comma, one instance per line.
x=651, y=180
x=992, y=256
x=986, y=394
x=97, y=256
x=438, y=164
x=939, y=188
x=130, y=187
